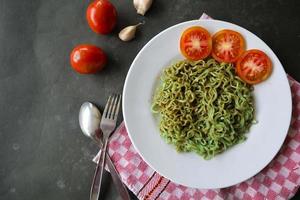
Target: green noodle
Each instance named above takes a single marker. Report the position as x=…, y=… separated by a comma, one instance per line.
x=203, y=107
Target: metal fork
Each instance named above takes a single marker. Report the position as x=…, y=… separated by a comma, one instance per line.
x=107, y=125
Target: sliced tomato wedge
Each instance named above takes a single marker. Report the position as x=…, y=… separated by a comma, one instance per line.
x=254, y=66
x=228, y=46
x=195, y=43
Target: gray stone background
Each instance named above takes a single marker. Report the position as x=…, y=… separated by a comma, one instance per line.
x=43, y=154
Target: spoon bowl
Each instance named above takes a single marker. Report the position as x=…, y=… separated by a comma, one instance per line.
x=89, y=121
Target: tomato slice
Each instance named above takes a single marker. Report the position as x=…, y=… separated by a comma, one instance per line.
x=254, y=66
x=228, y=46
x=195, y=43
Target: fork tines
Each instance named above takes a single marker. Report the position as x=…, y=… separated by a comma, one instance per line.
x=112, y=107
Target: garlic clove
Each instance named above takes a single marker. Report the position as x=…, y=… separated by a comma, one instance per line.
x=142, y=6
x=128, y=33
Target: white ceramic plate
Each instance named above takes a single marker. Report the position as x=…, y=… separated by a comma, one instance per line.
x=273, y=112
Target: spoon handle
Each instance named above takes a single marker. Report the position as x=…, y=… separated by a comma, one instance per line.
x=117, y=179
x=120, y=187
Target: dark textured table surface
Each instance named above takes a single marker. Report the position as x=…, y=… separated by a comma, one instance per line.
x=43, y=154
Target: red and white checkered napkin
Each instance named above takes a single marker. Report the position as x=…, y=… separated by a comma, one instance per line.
x=279, y=180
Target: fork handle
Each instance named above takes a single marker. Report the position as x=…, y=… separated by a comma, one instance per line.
x=121, y=188
x=117, y=179
x=97, y=180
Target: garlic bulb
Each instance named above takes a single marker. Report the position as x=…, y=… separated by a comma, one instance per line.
x=128, y=33
x=142, y=6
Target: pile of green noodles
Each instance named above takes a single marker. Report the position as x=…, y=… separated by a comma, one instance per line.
x=203, y=107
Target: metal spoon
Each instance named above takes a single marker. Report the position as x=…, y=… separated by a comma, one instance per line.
x=89, y=121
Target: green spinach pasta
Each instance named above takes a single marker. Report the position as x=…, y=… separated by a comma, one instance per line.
x=203, y=107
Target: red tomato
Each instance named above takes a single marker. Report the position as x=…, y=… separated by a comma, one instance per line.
x=101, y=16
x=254, y=66
x=228, y=46
x=195, y=43
x=87, y=59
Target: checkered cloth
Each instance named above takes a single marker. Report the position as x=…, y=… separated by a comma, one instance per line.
x=279, y=180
